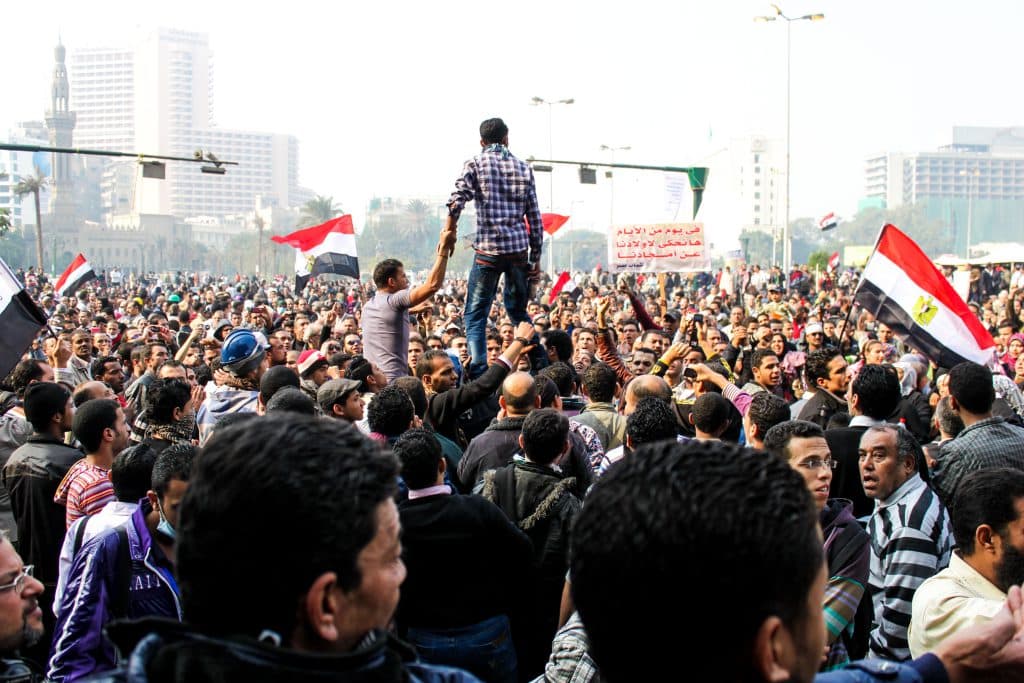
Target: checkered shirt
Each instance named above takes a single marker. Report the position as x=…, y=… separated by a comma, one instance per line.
x=504, y=191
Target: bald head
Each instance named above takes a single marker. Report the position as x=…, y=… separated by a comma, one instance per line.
x=87, y=391
x=519, y=393
x=646, y=386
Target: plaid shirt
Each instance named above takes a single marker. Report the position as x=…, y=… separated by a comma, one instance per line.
x=992, y=442
x=504, y=191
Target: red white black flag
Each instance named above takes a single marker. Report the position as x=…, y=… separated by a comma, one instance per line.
x=326, y=248
x=20, y=319
x=77, y=274
x=904, y=290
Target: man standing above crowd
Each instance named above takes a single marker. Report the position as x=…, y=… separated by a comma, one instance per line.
x=386, y=315
x=503, y=188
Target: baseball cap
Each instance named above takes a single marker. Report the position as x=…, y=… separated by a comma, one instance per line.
x=174, y=299
x=332, y=391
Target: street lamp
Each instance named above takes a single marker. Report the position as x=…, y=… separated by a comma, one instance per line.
x=972, y=187
x=787, y=249
x=535, y=102
x=611, y=180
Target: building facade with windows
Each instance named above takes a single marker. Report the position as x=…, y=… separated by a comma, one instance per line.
x=975, y=184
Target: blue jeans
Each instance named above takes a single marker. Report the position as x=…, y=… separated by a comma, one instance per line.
x=484, y=649
x=480, y=292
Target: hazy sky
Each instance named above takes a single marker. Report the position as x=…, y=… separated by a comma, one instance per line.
x=385, y=97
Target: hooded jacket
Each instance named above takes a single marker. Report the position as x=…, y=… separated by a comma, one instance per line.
x=221, y=401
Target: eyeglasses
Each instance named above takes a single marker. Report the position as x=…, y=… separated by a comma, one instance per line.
x=19, y=582
x=816, y=464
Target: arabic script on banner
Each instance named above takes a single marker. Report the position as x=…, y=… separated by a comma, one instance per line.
x=661, y=247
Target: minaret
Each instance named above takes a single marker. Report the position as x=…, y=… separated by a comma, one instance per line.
x=61, y=124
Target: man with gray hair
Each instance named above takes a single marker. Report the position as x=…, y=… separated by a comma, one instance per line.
x=911, y=537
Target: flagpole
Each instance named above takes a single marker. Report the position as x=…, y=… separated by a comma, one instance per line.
x=853, y=296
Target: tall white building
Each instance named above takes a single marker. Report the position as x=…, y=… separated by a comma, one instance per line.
x=157, y=97
x=750, y=174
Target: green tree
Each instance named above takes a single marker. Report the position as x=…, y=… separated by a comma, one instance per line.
x=818, y=260
x=33, y=184
x=320, y=209
x=5, y=221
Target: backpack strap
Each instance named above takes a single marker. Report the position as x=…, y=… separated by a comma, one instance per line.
x=79, y=536
x=122, y=576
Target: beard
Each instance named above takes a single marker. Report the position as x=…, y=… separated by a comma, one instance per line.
x=1010, y=570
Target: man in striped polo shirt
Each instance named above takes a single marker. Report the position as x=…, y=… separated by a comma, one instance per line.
x=100, y=427
x=911, y=538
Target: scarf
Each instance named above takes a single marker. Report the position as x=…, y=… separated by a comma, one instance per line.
x=181, y=431
x=243, y=383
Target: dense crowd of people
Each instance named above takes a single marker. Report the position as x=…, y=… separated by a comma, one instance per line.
x=733, y=474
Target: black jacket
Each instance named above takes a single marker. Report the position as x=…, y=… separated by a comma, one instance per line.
x=820, y=407
x=464, y=558
x=31, y=476
x=844, y=444
x=499, y=442
x=444, y=409
x=162, y=651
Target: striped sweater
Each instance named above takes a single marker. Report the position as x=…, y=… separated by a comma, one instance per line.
x=911, y=540
x=85, y=490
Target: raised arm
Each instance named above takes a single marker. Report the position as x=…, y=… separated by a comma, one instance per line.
x=445, y=246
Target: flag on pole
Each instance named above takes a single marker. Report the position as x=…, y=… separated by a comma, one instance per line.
x=904, y=290
x=20, y=319
x=326, y=248
x=828, y=222
x=77, y=274
x=833, y=262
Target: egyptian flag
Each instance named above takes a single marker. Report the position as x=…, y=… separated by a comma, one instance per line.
x=77, y=274
x=20, y=319
x=909, y=294
x=563, y=283
x=326, y=248
x=828, y=222
x=833, y=262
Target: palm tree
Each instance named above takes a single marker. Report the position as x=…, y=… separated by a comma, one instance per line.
x=418, y=211
x=5, y=222
x=320, y=209
x=33, y=184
